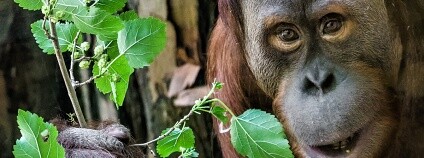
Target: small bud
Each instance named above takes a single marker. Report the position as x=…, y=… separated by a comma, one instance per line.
x=116, y=77
x=98, y=50
x=85, y=46
x=70, y=47
x=197, y=102
x=85, y=64
x=103, y=56
x=87, y=1
x=53, y=19
x=77, y=55
x=218, y=85
x=101, y=63
x=182, y=149
x=104, y=71
x=45, y=9
x=59, y=14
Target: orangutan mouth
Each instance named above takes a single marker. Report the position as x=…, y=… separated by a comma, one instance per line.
x=340, y=148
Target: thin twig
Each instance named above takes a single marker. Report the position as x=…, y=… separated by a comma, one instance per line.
x=77, y=84
x=99, y=75
x=71, y=91
x=46, y=31
x=83, y=58
x=71, y=67
x=185, y=118
x=169, y=131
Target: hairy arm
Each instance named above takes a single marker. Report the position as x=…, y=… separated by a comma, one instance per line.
x=106, y=140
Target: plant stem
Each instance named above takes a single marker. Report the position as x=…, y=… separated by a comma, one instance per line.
x=224, y=105
x=99, y=75
x=71, y=68
x=197, y=107
x=71, y=91
x=169, y=131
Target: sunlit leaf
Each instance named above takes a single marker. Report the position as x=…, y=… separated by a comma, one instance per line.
x=257, y=134
x=142, y=40
x=30, y=4
x=128, y=15
x=179, y=138
x=39, y=139
x=70, y=7
x=66, y=33
x=219, y=113
x=111, y=6
x=97, y=21
x=120, y=67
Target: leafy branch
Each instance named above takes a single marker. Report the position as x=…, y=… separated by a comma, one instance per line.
x=198, y=106
x=63, y=70
x=253, y=134
x=115, y=55
x=73, y=61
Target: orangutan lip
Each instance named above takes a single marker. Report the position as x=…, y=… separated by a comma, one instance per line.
x=339, y=148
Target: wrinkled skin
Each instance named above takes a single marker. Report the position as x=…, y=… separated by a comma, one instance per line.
x=334, y=82
x=342, y=75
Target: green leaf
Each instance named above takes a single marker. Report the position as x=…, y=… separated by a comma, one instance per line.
x=111, y=6
x=219, y=113
x=218, y=85
x=97, y=21
x=128, y=15
x=114, y=95
x=39, y=139
x=111, y=47
x=66, y=33
x=189, y=153
x=106, y=85
x=30, y=4
x=257, y=134
x=175, y=141
x=70, y=7
x=103, y=83
x=142, y=40
x=107, y=37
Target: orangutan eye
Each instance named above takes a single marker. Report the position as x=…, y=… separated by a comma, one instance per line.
x=286, y=38
x=331, y=23
x=332, y=26
x=288, y=35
